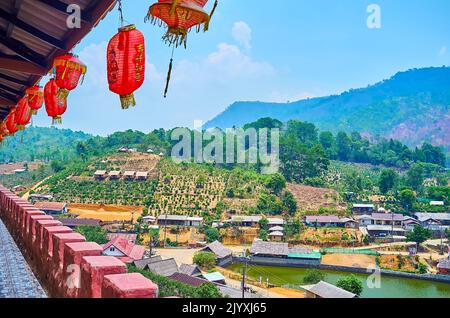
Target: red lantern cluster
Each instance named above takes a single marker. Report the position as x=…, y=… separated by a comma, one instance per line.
x=68, y=71
x=179, y=16
x=11, y=124
x=23, y=113
x=126, y=64
x=35, y=97
x=54, y=104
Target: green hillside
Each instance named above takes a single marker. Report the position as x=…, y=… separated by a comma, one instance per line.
x=412, y=106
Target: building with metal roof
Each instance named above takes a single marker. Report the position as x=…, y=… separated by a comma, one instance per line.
x=326, y=290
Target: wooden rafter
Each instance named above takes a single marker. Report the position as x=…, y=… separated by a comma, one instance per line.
x=62, y=8
x=22, y=50
x=20, y=65
x=13, y=20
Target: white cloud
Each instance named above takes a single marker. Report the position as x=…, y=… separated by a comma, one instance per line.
x=442, y=51
x=242, y=34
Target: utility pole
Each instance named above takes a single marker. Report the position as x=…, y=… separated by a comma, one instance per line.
x=165, y=230
x=244, y=274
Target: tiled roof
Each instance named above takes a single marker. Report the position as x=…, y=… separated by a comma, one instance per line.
x=214, y=277
x=72, y=222
x=435, y=216
x=142, y=263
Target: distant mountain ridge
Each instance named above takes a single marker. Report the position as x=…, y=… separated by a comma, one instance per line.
x=411, y=106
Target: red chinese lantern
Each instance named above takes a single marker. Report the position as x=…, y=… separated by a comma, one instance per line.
x=11, y=122
x=54, y=105
x=3, y=130
x=35, y=98
x=179, y=16
x=126, y=64
x=68, y=70
x=23, y=113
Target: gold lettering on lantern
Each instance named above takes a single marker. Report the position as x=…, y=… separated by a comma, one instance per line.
x=139, y=60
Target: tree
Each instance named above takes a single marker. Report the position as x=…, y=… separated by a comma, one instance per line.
x=212, y=234
x=326, y=140
x=207, y=290
x=289, y=203
x=269, y=204
x=407, y=199
x=263, y=224
x=93, y=233
x=276, y=183
x=313, y=276
x=387, y=181
x=343, y=143
x=419, y=235
x=415, y=176
x=205, y=260
x=351, y=284
x=263, y=235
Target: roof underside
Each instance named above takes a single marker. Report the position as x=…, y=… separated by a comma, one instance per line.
x=32, y=34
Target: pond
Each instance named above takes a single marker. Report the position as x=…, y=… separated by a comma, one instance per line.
x=391, y=287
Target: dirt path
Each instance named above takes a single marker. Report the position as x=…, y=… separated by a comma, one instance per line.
x=27, y=194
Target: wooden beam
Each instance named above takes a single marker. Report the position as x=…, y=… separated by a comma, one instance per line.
x=20, y=65
x=22, y=50
x=14, y=80
x=13, y=99
x=62, y=8
x=32, y=30
x=10, y=90
x=6, y=102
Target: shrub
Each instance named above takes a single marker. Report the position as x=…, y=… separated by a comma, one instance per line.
x=313, y=276
x=205, y=260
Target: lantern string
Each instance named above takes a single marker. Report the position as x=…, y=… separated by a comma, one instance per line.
x=211, y=15
x=169, y=73
x=120, y=13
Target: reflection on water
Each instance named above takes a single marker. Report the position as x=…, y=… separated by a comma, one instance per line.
x=391, y=287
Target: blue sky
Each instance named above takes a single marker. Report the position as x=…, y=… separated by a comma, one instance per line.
x=281, y=50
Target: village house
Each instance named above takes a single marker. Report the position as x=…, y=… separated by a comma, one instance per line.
x=384, y=231
x=360, y=208
x=275, y=222
x=34, y=197
x=100, y=175
x=215, y=278
x=141, y=175
x=166, y=267
x=126, y=251
x=387, y=219
x=142, y=263
x=19, y=188
x=364, y=220
x=409, y=224
x=129, y=175
x=444, y=266
x=276, y=236
x=326, y=290
x=115, y=175
x=179, y=220
x=74, y=222
x=52, y=208
x=245, y=220
x=191, y=270
x=188, y=280
x=437, y=203
x=224, y=256
x=329, y=221
x=434, y=221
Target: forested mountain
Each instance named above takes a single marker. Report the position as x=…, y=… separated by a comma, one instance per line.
x=40, y=143
x=412, y=106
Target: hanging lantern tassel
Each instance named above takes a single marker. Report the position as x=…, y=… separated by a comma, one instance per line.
x=127, y=101
x=169, y=74
x=216, y=3
x=57, y=120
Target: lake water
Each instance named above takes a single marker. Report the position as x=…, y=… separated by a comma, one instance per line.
x=391, y=287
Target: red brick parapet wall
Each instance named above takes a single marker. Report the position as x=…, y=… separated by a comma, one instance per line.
x=67, y=265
